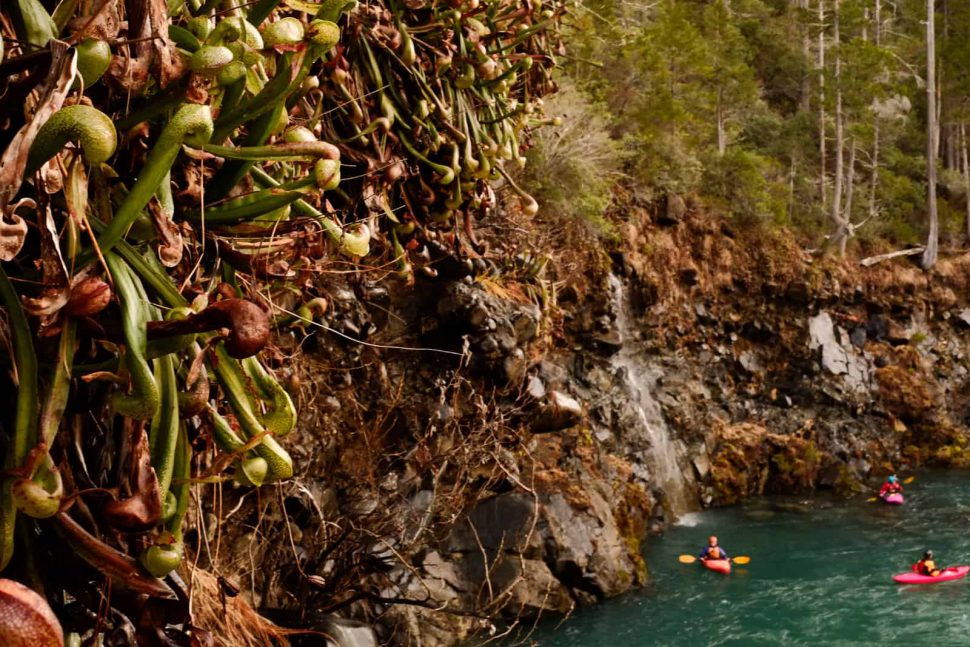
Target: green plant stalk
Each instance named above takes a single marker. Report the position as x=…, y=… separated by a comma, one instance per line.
x=261, y=11
x=63, y=14
x=349, y=243
x=192, y=123
x=234, y=383
x=233, y=171
x=279, y=462
x=31, y=22
x=149, y=271
x=143, y=402
x=182, y=475
x=52, y=410
x=331, y=9
x=350, y=100
x=232, y=94
x=207, y=6
x=25, y=425
x=272, y=94
x=164, y=195
x=281, y=416
x=246, y=207
x=361, y=134
x=233, y=379
x=446, y=172
x=404, y=269
x=184, y=38
x=165, y=425
x=231, y=375
x=160, y=103
x=297, y=151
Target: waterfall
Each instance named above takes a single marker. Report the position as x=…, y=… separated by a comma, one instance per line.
x=638, y=379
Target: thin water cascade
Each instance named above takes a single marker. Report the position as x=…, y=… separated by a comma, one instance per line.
x=638, y=379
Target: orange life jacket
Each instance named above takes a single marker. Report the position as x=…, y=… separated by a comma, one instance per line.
x=927, y=567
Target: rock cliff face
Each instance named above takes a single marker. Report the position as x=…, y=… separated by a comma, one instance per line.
x=498, y=443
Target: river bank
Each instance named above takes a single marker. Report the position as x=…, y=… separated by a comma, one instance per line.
x=820, y=573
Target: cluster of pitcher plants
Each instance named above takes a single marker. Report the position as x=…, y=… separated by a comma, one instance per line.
x=168, y=168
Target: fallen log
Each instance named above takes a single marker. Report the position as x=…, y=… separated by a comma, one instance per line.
x=872, y=260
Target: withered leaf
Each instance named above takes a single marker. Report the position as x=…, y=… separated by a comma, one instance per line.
x=13, y=162
x=170, y=247
x=102, y=23
x=54, y=272
x=143, y=509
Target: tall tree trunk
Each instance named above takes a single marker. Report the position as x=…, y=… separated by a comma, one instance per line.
x=721, y=130
x=849, y=183
x=966, y=175
x=805, y=100
x=838, y=218
x=791, y=195
x=821, y=100
x=933, y=237
x=948, y=129
x=874, y=180
x=877, y=29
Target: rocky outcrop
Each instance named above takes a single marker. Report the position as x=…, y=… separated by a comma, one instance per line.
x=840, y=352
x=498, y=330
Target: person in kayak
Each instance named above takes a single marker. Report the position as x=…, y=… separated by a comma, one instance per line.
x=712, y=550
x=891, y=486
x=927, y=566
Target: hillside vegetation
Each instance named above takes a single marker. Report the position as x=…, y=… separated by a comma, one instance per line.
x=810, y=114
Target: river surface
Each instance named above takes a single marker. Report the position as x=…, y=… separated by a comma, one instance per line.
x=820, y=574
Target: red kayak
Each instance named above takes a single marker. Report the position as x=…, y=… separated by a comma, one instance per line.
x=719, y=565
x=894, y=499
x=947, y=574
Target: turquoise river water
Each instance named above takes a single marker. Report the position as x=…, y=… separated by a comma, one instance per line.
x=820, y=574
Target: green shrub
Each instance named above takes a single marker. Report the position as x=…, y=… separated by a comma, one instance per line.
x=739, y=179
x=571, y=168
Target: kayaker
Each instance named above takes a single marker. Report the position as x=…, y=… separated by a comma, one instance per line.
x=927, y=566
x=712, y=550
x=891, y=486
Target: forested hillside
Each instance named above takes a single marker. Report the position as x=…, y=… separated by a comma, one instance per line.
x=811, y=114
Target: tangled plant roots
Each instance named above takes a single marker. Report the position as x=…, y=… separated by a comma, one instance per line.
x=230, y=620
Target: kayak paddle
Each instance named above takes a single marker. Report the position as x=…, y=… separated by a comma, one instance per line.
x=690, y=559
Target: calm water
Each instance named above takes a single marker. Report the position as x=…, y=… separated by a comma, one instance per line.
x=820, y=574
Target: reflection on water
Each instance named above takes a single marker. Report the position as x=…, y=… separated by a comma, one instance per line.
x=820, y=574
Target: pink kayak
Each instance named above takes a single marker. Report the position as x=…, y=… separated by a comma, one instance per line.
x=894, y=499
x=719, y=565
x=947, y=574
